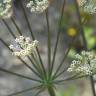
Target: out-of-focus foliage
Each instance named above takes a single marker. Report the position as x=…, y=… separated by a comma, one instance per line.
x=70, y=91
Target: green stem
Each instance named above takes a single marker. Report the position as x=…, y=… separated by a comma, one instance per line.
x=19, y=75
x=21, y=59
x=57, y=38
x=20, y=33
x=85, y=43
x=9, y=29
x=62, y=62
x=51, y=91
x=32, y=35
x=49, y=42
x=17, y=27
x=92, y=85
x=24, y=91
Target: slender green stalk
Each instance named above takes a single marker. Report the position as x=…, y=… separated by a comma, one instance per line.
x=60, y=65
x=66, y=79
x=92, y=85
x=74, y=77
x=29, y=67
x=85, y=43
x=40, y=91
x=11, y=32
x=58, y=37
x=51, y=91
x=34, y=65
x=21, y=76
x=33, y=37
x=23, y=91
x=19, y=31
x=49, y=42
x=21, y=59
x=37, y=64
x=14, y=22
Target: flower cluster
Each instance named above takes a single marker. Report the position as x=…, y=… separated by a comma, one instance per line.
x=84, y=64
x=38, y=5
x=24, y=46
x=5, y=8
x=88, y=6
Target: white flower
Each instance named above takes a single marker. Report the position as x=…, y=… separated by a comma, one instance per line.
x=24, y=46
x=38, y=6
x=82, y=2
x=5, y=8
x=85, y=63
x=88, y=6
x=11, y=46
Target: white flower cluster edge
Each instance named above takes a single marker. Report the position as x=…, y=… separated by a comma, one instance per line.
x=84, y=64
x=38, y=6
x=6, y=8
x=88, y=6
x=24, y=46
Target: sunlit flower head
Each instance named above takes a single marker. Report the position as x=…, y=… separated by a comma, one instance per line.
x=5, y=8
x=23, y=46
x=85, y=63
x=37, y=6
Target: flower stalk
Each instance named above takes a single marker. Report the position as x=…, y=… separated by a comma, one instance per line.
x=51, y=91
x=85, y=43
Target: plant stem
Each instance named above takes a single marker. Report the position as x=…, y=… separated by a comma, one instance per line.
x=92, y=85
x=62, y=62
x=57, y=38
x=19, y=75
x=49, y=41
x=85, y=43
x=51, y=91
x=9, y=29
x=21, y=59
x=15, y=24
x=32, y=35
x=37, y=67
x=25, y=90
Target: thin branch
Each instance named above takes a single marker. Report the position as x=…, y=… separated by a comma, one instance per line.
x=62, y=62
x=26, y=90
x=14, y=22
x=67, y=79
x=11, y=32
x=58, y=37
x=49, y=41
x=37, y=64
x=85, y=42
x=29, y=67
x=21, y=76
x=39, y=92
x=32, y=62
x=21, y=59
x=92, y=85
x=33, y=37
x=20, y=33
